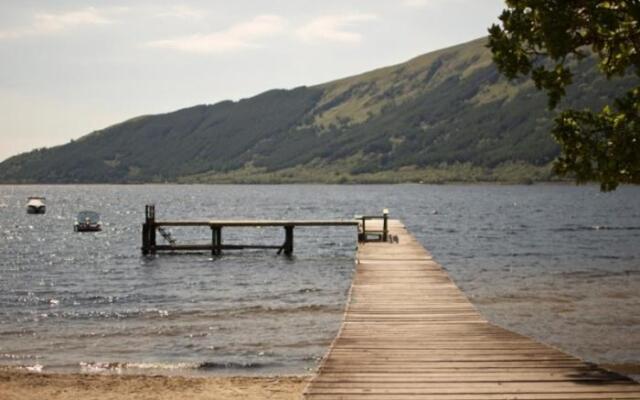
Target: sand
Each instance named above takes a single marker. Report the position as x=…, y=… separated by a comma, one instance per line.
x=20, y=385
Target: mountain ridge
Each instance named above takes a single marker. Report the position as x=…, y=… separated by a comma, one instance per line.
x=442, y=116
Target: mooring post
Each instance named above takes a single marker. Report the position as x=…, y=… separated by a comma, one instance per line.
x=360, y=227
x=216, y=240
x=152, y=241
x=152, y=228
x=385, y=230
x=288, y=240
x=149, y=230
x=145, y=239
x=219, y=235
x=145, y=231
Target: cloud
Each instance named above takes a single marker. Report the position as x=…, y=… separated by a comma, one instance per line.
x=180, y=12
x=416, y=3
x=50, y=23
x=333, y=28
x=243, y=35
x=429, y=3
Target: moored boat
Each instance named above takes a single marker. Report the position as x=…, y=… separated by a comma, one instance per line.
x=87, y=221
x=35, y=205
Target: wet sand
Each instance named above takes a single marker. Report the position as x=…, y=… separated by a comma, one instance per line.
x=20, y=385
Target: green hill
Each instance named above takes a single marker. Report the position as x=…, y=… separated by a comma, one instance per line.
x=446, y=115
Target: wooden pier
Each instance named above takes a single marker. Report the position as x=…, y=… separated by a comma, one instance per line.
x=151, y=227
x=410, y=333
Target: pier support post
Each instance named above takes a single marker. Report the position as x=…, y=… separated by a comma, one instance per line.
x=216, y=240
x=219, y=235
x=213, y=241
x=385, y=227
x=152, y=236
x=288, y=240
x=149, y=230
x=145, y=239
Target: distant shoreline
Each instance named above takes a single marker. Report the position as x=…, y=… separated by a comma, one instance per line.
x=334, y=173
x=481, y=183
x=312, y=183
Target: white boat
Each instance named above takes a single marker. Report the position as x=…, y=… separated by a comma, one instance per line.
x=35, y=205
x=88, y=221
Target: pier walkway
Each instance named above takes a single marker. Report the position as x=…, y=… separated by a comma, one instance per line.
x=151, y=227
x=410, y=333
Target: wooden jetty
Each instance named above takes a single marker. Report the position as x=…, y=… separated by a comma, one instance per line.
x=410, y=333
x=151, y=227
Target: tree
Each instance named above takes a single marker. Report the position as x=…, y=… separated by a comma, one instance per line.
x=541, y=38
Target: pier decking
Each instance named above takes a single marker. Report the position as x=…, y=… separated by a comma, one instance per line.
x=410, y=333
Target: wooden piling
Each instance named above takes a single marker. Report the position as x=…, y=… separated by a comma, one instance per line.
x=214, y=241
x=216, y=244
x=145, y=239
x=149, y=230
x=385, y=225
x=288, y=240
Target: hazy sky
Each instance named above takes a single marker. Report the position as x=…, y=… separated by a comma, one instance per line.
x=70, y=67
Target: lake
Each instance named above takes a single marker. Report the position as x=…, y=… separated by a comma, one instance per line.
x=555, y=262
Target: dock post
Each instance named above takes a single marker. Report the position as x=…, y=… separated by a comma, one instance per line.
x=145, y=239
x=288, y=240
x=152, y=228
x=152, y=237
x=213, y=241
x=149, y=230
x=385, y=227
x=216, y=240
x=219, y=236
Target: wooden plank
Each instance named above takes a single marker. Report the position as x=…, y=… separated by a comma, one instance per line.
x=467, y=376
x=208, y=247
x=255, y=223
x=499, y=387
x=410, y=333
x=481, y=396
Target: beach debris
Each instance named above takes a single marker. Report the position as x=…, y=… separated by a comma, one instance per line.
x=34, y=368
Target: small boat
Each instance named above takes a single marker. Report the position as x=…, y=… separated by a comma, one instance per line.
x=87, y=221
x=35, y=205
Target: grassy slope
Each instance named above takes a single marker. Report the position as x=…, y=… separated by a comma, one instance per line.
x=446, y=115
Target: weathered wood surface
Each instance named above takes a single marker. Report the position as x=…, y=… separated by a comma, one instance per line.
x=150, y=246
x=410, y=333
x=254, y=223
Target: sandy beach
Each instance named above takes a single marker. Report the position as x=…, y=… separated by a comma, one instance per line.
x=18, y=385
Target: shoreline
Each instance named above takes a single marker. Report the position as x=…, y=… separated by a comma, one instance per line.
x=312, y=183
x=18, y=384
x=25, y=385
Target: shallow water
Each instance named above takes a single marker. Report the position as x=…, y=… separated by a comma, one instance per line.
x=559, y=263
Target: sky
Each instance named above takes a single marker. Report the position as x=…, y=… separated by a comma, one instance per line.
x=72, y=67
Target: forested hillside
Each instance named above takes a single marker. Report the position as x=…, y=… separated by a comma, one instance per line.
x=446, y=115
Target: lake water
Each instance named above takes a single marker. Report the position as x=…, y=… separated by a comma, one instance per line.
x=558, y=263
